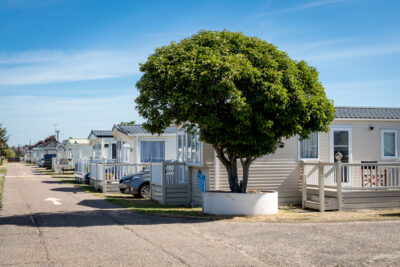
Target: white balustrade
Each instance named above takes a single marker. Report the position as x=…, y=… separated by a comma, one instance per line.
x=113, y=172
x=355, y=175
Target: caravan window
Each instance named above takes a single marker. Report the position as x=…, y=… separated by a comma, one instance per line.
x=152, y=151
x=181, y=147
x=193, y=147
x=97, y=151
x=308, y=148
x=114, y=151
x=389, y=143
x=189, y=147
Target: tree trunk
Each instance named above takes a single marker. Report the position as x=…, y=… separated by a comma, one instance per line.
x=230, y=164
x=246, y=167
x=233, y=178
x=245, y=179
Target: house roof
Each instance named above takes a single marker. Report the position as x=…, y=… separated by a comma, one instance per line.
x=367, y=113
x=138, y=129
x=101, y=133
x=50, y=143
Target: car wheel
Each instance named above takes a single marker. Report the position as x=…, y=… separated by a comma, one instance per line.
x=144, y=191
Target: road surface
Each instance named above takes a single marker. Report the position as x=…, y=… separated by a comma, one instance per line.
x=44, y=222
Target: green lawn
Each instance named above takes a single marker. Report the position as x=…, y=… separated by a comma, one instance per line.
x=3, y=171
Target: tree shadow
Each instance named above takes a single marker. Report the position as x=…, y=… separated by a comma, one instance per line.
x=91, y=218
x=397, y=214
x=66, y=189
x=52, y=182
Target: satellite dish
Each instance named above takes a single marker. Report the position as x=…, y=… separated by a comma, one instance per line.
x=106, y=145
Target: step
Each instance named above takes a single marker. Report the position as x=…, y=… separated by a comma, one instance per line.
x=315, y=205
x=112, y=188
x=328, y=192
x=311, y=205
x=328, y=200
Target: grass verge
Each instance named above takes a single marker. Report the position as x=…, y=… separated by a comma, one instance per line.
x=289, y=214
x=3, y=171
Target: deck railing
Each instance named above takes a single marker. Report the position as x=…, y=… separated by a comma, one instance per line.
x=113, y=172
x=82, y=166
x=168, y=173
x=353, y=176
x=169, y=183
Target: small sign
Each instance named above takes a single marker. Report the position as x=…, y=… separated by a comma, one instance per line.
x=201, y=182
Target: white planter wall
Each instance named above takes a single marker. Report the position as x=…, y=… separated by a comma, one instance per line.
x=226, y=203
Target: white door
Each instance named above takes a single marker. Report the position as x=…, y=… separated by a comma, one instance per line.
x=341, y=142
x=127, y=150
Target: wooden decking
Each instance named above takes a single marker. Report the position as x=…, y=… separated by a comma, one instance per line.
x=354, y=199
x=360, y=188
x=169, y=184
x=105, y=187
x=313, y=199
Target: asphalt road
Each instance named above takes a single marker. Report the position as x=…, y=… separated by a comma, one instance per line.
x=47, y=223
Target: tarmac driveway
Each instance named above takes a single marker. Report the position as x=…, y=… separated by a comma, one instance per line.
x=45, y=222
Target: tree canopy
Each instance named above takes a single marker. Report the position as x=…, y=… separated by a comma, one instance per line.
x=243, y=94
x=3, y=140
x=127, y=123
x=9, y=153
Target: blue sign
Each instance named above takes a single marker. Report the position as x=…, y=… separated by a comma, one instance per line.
x=201, y=182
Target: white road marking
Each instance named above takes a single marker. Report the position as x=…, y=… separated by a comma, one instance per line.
x=55, y=201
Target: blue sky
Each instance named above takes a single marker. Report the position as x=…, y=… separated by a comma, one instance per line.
x=75, y=62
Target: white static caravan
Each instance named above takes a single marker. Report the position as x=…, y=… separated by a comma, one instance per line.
x=103, y=145
x=136, y=149
x=370, y=171
x=137, y=146
x=74, y=148
x=103, y=149
x=38, y=152
x=69, y=151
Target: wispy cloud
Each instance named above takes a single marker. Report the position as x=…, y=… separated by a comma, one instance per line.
x=33, y=117
x=39, y=67
x=353, y=52
x=308, y=5
x=377, y=85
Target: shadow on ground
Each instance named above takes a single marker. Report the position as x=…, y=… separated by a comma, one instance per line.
x=52, y=182
x=67, y=189
x=390, y=215
x=91, y=218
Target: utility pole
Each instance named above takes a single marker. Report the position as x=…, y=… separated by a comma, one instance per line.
x=30, y=154
x=56, y=131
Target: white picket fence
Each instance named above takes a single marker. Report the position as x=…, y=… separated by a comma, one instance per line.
x=113, y=172
x=82, y=167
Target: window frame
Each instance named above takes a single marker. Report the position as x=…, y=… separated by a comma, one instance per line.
x=318, y=149
x=140, y=153
x=383, y=131
x=186, y=150
x=332, y=130
x=199, y=151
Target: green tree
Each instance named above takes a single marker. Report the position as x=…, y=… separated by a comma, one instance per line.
x=9, y=153
x=242, y=93
x=3, y=140
x=127, y=123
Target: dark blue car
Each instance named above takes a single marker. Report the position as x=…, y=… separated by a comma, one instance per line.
x=137, y=184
